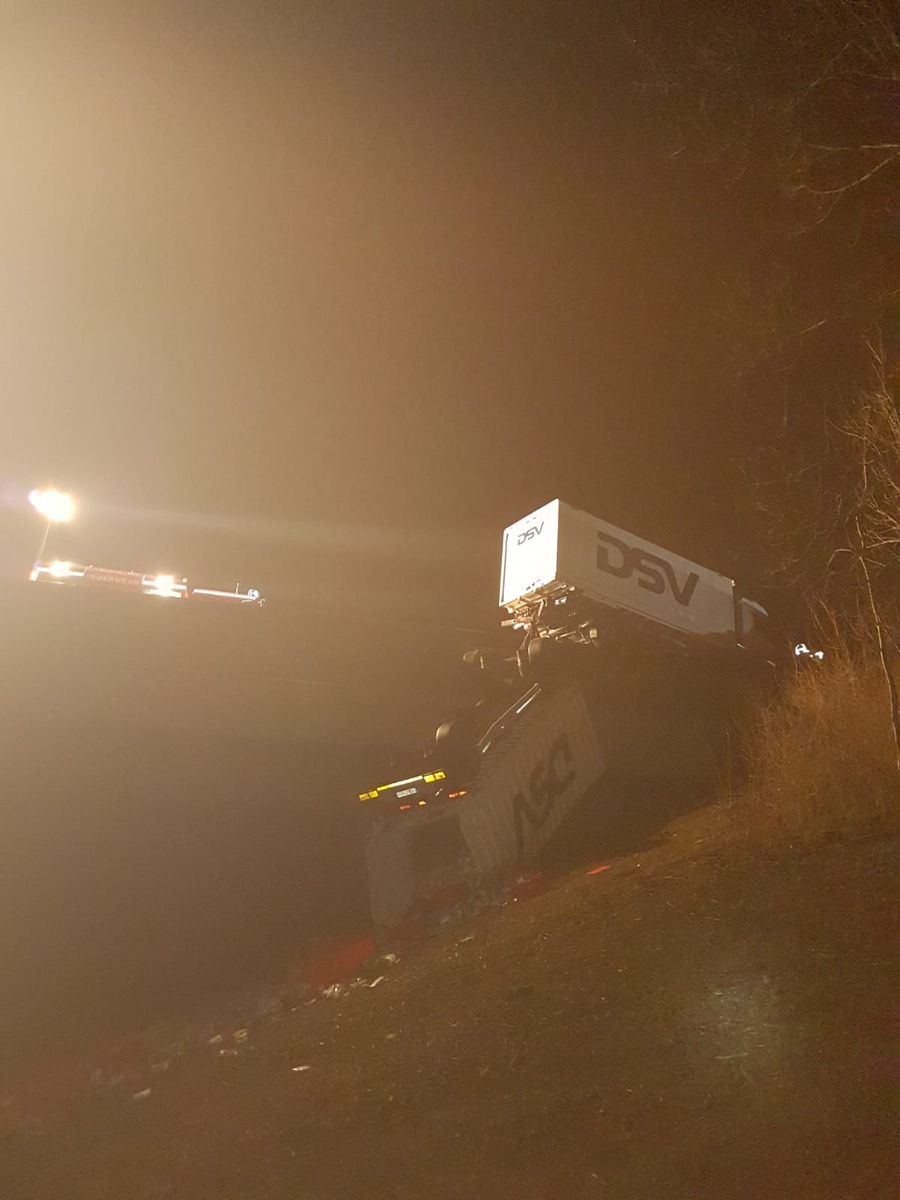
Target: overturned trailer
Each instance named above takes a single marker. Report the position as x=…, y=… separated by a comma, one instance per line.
x=662, y=626
x=439, y=839
x=568, y=576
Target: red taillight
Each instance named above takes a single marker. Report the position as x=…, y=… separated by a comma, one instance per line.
x=456, y=795
x=405, y=807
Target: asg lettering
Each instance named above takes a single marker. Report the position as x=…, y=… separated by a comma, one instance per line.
x=527, y=534
x=546, y=784
x=655, y=574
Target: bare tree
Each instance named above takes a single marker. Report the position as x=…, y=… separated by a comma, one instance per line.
x=870, y=513
x=789, y=113
x=791, y=109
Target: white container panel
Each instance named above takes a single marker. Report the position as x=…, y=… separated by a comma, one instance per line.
x=517, y=808
x=528, y=562
x=616, y=568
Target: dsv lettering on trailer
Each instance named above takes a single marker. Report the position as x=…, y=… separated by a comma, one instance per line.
x=526, y=535
x=546, y=784
x=617, y=558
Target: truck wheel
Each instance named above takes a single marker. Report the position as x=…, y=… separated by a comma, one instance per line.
x=532, y=660
x=543, y=661
x=442, y=733
x=537, y=651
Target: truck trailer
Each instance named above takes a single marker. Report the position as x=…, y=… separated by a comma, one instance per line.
x=568, y=576
x=503, y=777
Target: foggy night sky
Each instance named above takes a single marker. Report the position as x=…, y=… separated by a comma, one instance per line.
x=309, y=295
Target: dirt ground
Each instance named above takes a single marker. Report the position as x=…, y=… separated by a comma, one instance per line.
x=674, y=1026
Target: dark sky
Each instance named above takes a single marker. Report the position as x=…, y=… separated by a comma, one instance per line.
x=321, y=296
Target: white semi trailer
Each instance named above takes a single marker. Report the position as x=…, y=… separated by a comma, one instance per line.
x=566, y=575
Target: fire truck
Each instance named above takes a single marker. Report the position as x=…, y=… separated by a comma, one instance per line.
x=170, y=587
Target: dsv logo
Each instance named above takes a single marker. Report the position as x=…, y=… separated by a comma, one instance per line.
x=617, y=558
x=527, y=534
x=546, y=784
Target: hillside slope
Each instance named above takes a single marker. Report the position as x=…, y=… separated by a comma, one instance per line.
x=673, y=1026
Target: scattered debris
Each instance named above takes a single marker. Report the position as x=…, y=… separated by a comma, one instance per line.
x=390, y=1037
x=229, y=1052
x=462, y=941
x=527, y=886
x=333, y=991
x=390, y=958
x=305, y=1067
x=100, y=1079
x=598, y=870
x=375, y=982
x=215, y=1040
x=241, y=1035
x=268, y=1004
x=142, y=1095
x=158, y=1067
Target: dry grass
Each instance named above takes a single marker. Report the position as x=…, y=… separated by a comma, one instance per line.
x=819, y=761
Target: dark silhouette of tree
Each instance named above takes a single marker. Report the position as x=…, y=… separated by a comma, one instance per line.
x=791, y=114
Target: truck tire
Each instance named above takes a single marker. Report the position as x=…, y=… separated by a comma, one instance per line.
x=442, y=733
x=536, y=661
x=523, y=665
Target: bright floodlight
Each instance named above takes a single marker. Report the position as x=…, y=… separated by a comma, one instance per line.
x=60, y=569
x=52, y=505
x=164, y=585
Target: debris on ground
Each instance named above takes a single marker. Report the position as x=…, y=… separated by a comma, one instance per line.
x=618, y=1011
x=527, y=886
